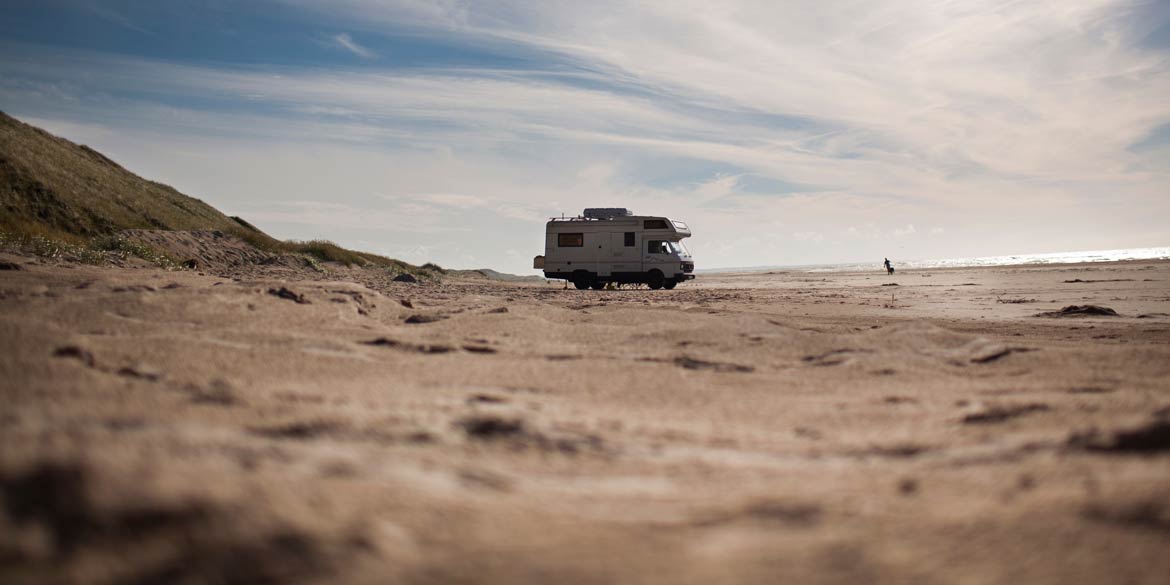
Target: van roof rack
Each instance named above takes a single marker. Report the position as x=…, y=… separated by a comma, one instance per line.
x=606, y=212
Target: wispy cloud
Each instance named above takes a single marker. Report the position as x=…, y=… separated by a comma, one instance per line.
x=116, y=17
x=347, y=43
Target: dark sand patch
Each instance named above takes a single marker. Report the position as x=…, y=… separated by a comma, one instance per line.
x=1151, y=438
x=285, y=293
x=998, y=414
x=1081, y=311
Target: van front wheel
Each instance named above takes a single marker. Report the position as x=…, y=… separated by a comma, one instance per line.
x=655, y=280
x=670, y=284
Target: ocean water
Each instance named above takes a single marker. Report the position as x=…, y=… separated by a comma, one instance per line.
x=1013, y=260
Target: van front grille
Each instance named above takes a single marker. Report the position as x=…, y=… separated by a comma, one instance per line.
x=688, y=267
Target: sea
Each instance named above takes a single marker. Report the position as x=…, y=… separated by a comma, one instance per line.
x=1013, y=260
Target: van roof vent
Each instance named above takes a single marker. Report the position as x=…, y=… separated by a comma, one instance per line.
x=606, y=212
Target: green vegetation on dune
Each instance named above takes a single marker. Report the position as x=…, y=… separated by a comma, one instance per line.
x=54, y=188
x=63, y=200
x=327, y=251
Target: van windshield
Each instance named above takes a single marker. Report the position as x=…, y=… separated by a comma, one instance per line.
x=678, y=248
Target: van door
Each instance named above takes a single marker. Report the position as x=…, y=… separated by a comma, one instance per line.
x=600, y=251
x=626, y=251
x=655, y=255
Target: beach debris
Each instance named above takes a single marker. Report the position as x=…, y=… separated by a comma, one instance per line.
x=831, y=358
x=497, y=311
x=1077, y=280
x=908, y=486
x=890, y=284
x=135, y=288
x=485, y=399
x=418, y=347
x=405, y=277
x=697, y=364
x=299, y=430
x=893, y=304
x=562, y=357
x=899, y=400
x=76, y=352
x=1019, y=301
x=996, y=353
x=190, y=264
x=516, y=433
x=1153, y=437
x=285, y=293
x=10, y=266
x=406, y=303
x=1081, y=311
x=899, y=451
x=998, y=414
x=488, y=428
x=480, y=349
x=419, y=319
x=142, y=372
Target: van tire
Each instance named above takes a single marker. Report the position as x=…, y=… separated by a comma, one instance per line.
x=598, y=285
x=670, y=284
x=582, y=279
x=655, y=280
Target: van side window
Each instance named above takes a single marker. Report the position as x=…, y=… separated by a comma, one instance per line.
x=654, y=246
x=654, y=224
x=629, y=239
x=570, y=240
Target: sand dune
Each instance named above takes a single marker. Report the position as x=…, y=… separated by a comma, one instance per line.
x=267, y=423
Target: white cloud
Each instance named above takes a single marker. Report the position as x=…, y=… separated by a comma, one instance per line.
x=347, y=42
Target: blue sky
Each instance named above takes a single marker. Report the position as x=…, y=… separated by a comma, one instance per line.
x=782, y=132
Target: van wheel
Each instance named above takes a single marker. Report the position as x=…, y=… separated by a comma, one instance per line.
x=670, y=284
x=655, y=280
x=582, y=280
x=598, y=285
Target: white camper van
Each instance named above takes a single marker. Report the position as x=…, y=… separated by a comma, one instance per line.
x=606, y=245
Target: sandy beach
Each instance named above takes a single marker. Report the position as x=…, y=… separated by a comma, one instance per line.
x=256, y=426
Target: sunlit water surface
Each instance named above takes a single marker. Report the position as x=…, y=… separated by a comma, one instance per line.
x=1014, y=260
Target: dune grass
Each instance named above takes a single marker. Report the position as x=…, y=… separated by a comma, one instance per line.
x=63, y=200
x=327, y=251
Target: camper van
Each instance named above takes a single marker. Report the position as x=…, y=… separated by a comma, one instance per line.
x=605, y=245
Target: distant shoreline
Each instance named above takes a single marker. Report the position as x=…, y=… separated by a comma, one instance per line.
x=1048, y=259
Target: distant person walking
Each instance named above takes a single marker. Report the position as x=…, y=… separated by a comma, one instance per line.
x=889, y=267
